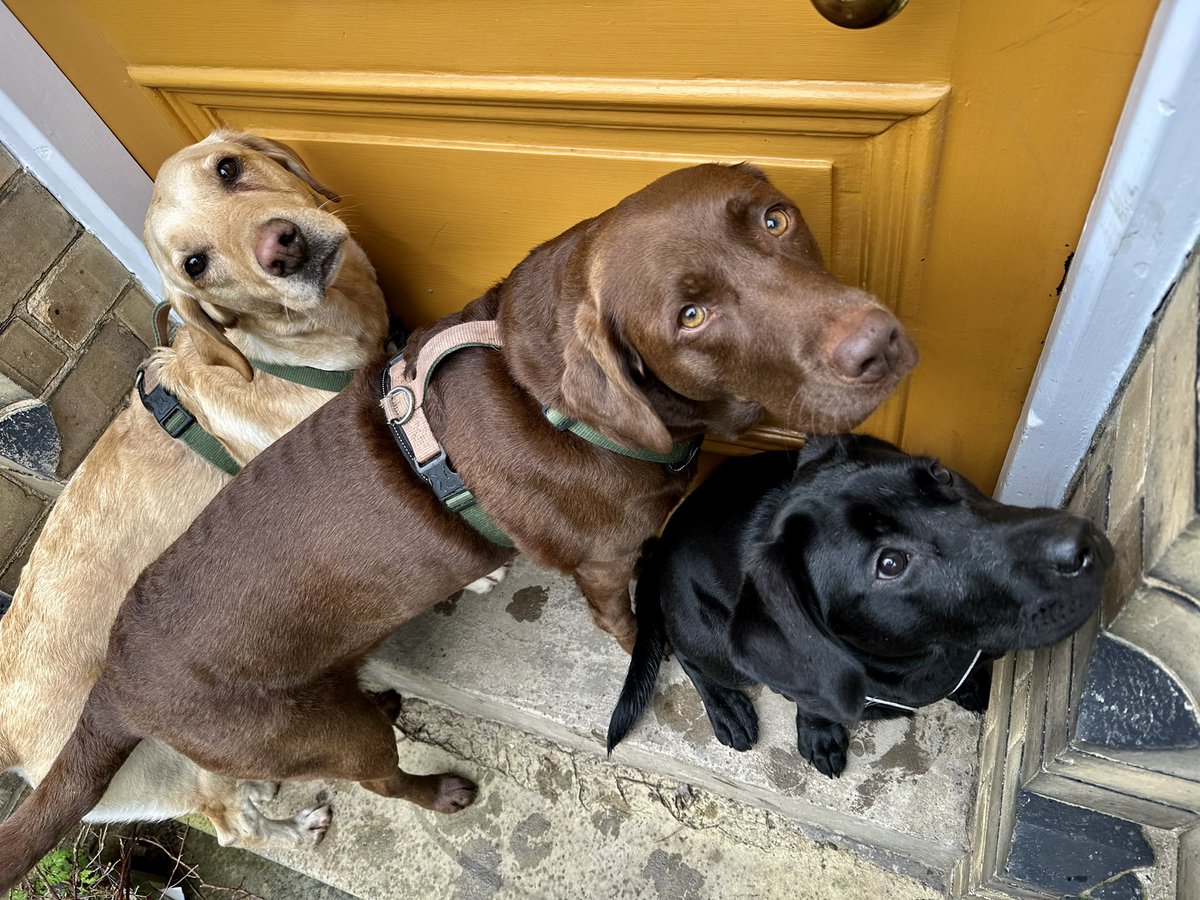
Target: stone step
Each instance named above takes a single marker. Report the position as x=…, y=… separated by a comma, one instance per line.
x=527, y=656
x=556, y=822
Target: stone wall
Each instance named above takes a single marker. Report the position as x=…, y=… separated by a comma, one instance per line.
x=74, y=326
x=1090, y=778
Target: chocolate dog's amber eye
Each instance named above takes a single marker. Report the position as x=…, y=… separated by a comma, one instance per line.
x=891, y=564
x=776, y=221
x=941, y=474
x=195, y=265
x=692, y=316
x=229, y=169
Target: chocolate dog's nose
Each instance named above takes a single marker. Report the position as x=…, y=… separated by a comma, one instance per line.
x=869, y=352
x=281, y=248
x=1076, y=547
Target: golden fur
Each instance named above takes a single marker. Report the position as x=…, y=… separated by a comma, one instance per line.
x=139, y=489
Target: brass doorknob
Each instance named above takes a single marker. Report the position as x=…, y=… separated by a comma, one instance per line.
x=858, y=13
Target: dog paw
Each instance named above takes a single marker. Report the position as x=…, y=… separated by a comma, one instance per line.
x=389, y=701
x=313, y=823
x=825, y=747
x=734, y=721
x=454, y=794
x=262, y=791
x=487, y=582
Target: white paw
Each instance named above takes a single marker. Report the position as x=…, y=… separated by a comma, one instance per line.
x=313, y=823
x=488, y=581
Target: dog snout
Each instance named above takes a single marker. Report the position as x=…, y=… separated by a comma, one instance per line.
x=281, y=248
x=872, y=350
x=1076, y=547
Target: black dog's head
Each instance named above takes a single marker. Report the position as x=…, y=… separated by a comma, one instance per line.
x=876, y=554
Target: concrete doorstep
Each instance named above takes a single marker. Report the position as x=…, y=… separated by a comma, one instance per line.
x=553, y=822
x=515, y=691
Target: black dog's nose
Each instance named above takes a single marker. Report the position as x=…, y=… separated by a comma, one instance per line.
x=1076, y=547
x=281, y=249
x=869, y=352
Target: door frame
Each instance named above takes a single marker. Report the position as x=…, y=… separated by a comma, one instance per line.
x=1142, y=225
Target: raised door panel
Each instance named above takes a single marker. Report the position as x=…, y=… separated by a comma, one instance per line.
x=451, y=180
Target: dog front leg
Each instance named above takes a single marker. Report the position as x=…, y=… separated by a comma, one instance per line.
x=605, y=585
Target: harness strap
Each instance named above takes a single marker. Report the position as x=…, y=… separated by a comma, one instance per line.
x=403, y=404
x=875, y=701
x=180, y=424
x=403, y=400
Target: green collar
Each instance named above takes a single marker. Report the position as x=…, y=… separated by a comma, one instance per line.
x=321, y=379
x=676, y=459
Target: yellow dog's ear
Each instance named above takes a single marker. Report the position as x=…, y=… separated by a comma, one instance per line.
x=281, y=153
x=208, y=335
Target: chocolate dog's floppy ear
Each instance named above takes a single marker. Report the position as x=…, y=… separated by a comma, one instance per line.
x=282, y=154
x=597, y=383
x=775, y=638
x=209, y=337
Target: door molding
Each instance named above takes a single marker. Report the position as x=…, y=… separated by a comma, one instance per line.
x=1142, y=224
x=53, y=132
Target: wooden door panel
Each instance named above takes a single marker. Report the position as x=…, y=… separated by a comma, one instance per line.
x=451, y=180
x=960, y=143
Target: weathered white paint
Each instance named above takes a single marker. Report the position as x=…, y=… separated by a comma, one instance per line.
x=52, y=131
x=1143, y=221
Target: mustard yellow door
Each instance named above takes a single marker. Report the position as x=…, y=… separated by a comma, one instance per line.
x=945, y=160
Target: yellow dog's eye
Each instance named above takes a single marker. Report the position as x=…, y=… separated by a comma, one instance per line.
x=229, y=169
x=776, y=221
x=692, y=316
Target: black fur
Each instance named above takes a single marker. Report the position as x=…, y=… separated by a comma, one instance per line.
x=769, y=574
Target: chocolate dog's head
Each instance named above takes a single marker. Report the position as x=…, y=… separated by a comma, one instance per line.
x=877, y=554
x=703, y=297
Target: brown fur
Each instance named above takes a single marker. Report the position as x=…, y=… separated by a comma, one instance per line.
x=348, y=544
x=139, y=489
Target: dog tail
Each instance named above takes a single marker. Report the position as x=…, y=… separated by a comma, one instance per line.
x=644, y=662
x=73, y=786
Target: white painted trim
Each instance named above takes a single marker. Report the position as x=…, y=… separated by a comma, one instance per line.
x=53, y=132
x=1143, y=221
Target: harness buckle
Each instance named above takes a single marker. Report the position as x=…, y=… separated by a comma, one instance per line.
x=439, y=475
x=172, y=415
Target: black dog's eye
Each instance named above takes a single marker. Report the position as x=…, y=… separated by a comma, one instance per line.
x=891, y=564
x=195, y=265
x=941, y=474
x=229, y=169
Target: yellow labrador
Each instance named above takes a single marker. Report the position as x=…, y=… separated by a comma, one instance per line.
x=258, y=270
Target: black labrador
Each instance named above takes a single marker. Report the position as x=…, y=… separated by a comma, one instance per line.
x=855, y=580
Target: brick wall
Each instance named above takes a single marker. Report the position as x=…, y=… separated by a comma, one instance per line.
x=74, y=326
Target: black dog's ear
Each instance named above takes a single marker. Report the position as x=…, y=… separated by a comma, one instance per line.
x=775, y=638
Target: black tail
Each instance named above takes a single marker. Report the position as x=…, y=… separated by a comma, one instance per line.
x=73, y=786
x=645, y=661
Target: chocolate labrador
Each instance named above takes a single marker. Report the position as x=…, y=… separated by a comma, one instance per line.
x=858, y=582
x=693, y=305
